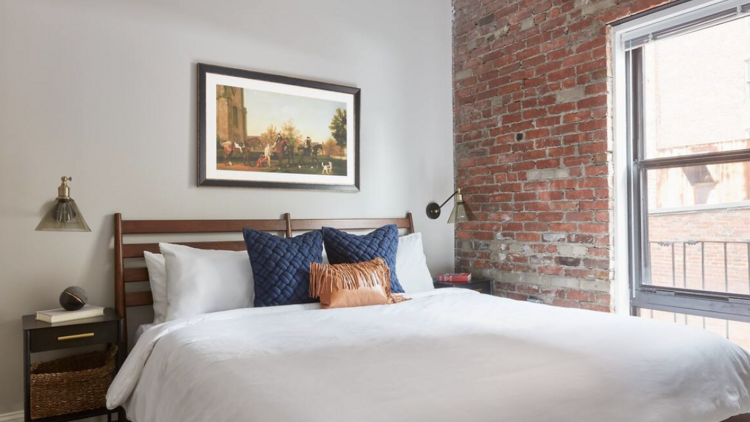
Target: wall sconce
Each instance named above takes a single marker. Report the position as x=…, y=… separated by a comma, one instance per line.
x=64, y=215
x=461, y=211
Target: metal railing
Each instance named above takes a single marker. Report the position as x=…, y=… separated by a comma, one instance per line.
x=733, y=257
x=702, y=245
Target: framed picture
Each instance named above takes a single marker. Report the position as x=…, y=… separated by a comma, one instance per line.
x=269, y=131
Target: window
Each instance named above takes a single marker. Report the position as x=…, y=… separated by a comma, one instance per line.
x=680, y=104
x=235, y=117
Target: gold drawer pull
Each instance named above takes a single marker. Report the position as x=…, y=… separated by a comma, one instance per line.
x=75, y=336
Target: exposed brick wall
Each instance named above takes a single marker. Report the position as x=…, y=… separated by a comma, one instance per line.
x=532, y=145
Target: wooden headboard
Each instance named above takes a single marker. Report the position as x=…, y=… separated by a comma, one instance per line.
x=133, y=251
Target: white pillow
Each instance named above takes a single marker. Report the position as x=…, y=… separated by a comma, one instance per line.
x=157, y=277
x=411, y=264
x=201, y=281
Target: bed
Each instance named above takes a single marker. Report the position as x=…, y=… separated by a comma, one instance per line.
x=444, y=355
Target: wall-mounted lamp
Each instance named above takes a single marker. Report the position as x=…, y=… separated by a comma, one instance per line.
x=461, y=211
x=64, y=215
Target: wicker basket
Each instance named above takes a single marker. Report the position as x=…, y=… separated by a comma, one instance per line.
x=72, y=384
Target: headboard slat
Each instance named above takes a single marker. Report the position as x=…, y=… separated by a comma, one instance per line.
x=138, y=299
x=136, y=274
x=349, y=224
x=199, y=226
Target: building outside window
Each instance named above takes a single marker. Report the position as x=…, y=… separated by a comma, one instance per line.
x=686, y=79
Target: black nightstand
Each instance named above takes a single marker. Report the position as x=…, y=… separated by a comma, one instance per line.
x=40, y=336
x=481, y=285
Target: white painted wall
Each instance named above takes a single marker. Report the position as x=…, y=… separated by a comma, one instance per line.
x=106, y=92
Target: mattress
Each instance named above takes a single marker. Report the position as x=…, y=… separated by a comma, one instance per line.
x=445, y=355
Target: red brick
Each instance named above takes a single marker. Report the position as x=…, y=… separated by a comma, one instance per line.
x=545, y=164
x=550, y=196
x=537, y=206
x=580, y=296
x=562, y=227
x=536, y=227
x=536, y=186
x=596, y=170
x=580, y=194
x=550, y=216
x=593, y=228
x=528, y=237
x=563, y=184
x=552, y=270
x=592, y=182
x=525, y=196
x=579, y=216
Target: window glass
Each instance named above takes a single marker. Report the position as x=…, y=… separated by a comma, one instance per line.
x=699, y=227
x=717, y=185
x=695, y=90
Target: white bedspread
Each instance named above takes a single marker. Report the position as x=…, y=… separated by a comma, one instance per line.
x=448, y=355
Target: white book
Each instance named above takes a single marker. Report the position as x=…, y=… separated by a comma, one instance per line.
x=61, y=315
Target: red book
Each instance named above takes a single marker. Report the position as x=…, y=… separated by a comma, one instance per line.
x=454, y=278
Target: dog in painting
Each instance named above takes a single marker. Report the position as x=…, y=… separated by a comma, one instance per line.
x=327, y=168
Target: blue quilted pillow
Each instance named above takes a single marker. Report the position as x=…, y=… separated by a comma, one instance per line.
x=347, y=248
x=281, y=266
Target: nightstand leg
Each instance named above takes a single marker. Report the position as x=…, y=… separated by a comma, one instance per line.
x=26, y=376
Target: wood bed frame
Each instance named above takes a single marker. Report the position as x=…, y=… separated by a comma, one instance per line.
x=285, y=226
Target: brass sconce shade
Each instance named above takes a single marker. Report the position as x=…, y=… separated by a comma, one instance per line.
x=64, y=215
x=461, y=211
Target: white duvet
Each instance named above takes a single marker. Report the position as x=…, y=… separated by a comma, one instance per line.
x=447, y=355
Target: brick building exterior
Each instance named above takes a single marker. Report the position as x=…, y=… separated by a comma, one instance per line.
x=533, y=145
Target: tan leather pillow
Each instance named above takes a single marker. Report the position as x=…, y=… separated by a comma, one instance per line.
x=348, y=285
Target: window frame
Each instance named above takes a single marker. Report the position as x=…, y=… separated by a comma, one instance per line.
x=630, y=179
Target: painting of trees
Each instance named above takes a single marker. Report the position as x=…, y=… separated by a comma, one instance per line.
x=269, y=136
x=290, y=131
x=338, y=127
x=331, y=149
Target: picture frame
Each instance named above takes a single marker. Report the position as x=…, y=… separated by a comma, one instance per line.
x=269, y=131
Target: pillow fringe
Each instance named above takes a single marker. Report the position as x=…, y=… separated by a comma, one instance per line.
x=350, y=277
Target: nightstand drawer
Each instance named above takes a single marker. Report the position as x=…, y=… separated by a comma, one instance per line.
x=64, y=337
x=479, y=287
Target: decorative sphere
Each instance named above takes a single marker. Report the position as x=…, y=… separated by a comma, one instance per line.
x=73, y=298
